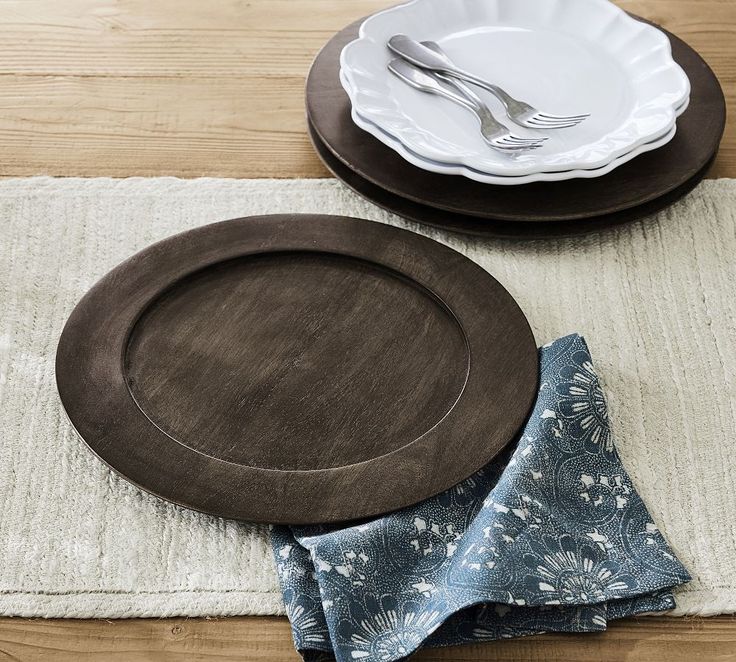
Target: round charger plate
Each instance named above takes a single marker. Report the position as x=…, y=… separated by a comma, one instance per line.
x=473, y=225
x=632, y=185
x=297, y=369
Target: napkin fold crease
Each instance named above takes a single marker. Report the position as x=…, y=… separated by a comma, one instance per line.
x=551, y=536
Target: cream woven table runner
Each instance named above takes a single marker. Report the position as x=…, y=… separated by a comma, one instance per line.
x=656, y=301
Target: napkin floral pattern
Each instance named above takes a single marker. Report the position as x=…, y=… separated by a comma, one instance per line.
x=550, y=537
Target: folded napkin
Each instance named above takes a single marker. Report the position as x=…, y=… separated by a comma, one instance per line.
x=550, y=537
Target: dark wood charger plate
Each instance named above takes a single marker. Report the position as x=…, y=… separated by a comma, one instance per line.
x=473, y=225
x=297, y=369
x=647, y=183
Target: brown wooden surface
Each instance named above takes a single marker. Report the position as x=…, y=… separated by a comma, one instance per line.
x=313, y=357
x=190, y=88
x=259, y=639
x=178, y=87
x=475, y=226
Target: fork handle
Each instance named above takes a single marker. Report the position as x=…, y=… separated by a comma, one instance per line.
x=426, y=58
x=499, y=93
x=429, y=82
x=488, y=122
x=451, y=96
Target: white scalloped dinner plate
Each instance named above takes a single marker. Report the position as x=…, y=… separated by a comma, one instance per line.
x=563, y=56
x=452, y=169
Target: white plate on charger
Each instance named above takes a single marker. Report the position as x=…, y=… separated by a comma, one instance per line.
x=562, y=56
x=452, y=169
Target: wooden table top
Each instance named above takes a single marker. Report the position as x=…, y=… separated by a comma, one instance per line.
x=185, y=88
x=176, y=87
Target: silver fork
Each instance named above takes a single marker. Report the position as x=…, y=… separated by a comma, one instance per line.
x=494, y=133
x=430, y=55
x=470, y=94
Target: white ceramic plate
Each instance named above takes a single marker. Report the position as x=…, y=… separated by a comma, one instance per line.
x=452, y=169
x=562, y=56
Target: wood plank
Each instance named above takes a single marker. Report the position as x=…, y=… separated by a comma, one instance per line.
x=174, y=88
x=267, y=639
x=188, y=127
x=170, y=38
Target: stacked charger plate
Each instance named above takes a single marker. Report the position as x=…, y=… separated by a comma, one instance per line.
x=566, y=57
x=654, y=114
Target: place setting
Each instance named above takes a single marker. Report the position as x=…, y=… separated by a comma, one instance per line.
x=600, y=117
x=420, y=434
x=430, y=474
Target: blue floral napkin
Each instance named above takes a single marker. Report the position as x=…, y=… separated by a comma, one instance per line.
x=551, y=537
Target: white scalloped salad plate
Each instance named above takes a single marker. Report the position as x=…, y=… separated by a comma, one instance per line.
x=562, y=56
x=500, y=180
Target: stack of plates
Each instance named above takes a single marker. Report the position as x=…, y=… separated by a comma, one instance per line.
x=423, y=157
x=563, y=56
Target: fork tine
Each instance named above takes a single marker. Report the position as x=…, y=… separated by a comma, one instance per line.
x=533, y=139
x=563, y=117
x=542, y=118
x=521, y=142
x=521, y=139
x=554, y=126
x=536, y=124
x=514, y=145
x=499, y=142
x=549, y=125
x=508, y=148
x=522, y=145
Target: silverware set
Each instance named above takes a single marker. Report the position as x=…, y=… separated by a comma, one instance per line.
x=426, y=67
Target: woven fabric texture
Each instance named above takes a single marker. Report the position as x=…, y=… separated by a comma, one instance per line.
x=654, y=299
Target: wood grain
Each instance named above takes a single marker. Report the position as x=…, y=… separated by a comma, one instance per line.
x=267, y=639
x=188, y=88
x=472, y=225
x=312, y=356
